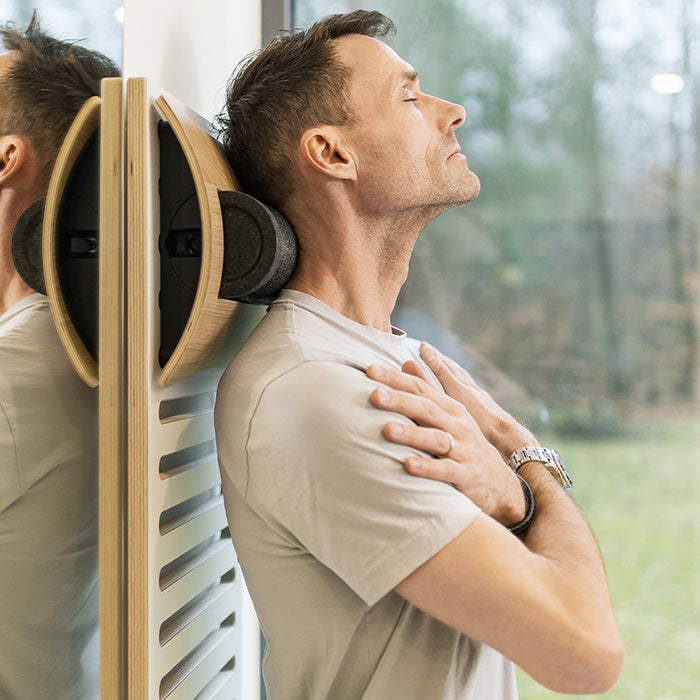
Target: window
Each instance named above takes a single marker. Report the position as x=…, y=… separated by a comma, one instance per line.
x=570, y=286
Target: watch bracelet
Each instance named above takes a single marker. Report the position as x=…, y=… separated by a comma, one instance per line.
x=546, y=456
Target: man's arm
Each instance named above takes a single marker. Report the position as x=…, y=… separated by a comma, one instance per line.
x=543, y=602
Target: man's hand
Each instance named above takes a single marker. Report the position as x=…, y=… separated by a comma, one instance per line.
x=499, y=427
x=472, y=465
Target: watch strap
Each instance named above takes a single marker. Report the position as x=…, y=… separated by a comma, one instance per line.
x=523, y=525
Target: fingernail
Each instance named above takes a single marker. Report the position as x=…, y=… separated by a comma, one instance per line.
x=395, y=430
x=413, y=466
x=375, y=371
x=381, y=396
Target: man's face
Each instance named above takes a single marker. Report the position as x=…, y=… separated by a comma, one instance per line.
x=404, y=141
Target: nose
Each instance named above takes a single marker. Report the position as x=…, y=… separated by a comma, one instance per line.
x=452, y=115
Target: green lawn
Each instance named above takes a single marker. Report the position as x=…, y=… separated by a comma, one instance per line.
x=642, y=497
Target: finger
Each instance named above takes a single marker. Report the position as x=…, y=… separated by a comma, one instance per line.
x=427, y=350
x=403, y=382
x=421, y=410
x=446, y=470
x=457, y=369
x=455, y=380
x=432, y=440
x=474, y=393
x=413, y=368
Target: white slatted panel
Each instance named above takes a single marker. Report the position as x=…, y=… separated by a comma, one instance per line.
x=195, y=589
x=188, y=613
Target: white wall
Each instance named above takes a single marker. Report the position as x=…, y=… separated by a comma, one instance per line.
x=189, y=47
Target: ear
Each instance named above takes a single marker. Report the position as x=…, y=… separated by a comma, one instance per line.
x=324, y=149
x=14, y=151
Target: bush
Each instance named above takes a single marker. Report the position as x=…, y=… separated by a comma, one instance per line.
x=598, y=421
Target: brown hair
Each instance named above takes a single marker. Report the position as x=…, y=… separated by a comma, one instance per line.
x=276, y=94
x=45, y=86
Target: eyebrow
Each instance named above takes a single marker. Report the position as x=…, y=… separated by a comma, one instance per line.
x=410, y=76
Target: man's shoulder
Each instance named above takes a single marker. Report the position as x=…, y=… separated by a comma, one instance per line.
x=28, y=338
x=292, y=334
x=34, y=363
x=289, y=379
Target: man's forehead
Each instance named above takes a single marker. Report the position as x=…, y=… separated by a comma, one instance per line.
x=367, y=56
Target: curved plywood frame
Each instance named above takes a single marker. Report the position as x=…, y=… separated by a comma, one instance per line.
x=205, y=341
x=84, y=126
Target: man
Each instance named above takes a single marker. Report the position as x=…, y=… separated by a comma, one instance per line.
x=378, y=570
x=48, y=428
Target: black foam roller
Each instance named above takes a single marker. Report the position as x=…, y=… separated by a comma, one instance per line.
x=26, y=246
x=260, y=249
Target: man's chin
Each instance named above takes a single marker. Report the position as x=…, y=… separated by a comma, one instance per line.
x=468, y=192
x=475, y=186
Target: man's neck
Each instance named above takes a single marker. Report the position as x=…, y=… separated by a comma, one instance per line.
x=359, y=273
x=11, y=293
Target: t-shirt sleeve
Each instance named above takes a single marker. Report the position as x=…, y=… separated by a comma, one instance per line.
x=322, y=474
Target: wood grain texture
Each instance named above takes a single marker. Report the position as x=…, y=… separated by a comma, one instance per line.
x=113, y=656
x=209, y=336
x=138, y=227
x=83, y=128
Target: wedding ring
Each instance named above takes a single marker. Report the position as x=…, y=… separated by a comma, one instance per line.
x=452, y=446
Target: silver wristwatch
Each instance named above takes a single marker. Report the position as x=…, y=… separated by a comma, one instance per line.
x=550, y=458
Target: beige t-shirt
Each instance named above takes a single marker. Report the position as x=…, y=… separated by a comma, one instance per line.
x=326, y=521
x=48, y=513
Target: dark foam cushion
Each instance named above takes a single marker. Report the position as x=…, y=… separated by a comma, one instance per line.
x=26, y=246
x=260, y=249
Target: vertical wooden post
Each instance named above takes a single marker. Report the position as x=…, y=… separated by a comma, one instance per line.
x=112, y=503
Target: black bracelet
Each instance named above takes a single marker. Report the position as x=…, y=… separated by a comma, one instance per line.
x=530, y=512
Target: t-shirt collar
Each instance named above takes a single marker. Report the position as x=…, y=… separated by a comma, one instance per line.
x=396, y=338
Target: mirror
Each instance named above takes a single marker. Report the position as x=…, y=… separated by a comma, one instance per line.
x=48, y=487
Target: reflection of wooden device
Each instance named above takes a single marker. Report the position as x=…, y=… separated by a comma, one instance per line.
x=70, y=241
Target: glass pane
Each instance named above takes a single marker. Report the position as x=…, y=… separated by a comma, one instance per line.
x=569, y=287
x=48, y=535
x=96, y=24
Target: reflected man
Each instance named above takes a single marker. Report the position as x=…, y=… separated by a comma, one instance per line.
x=48, y=426
x=388, y=557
